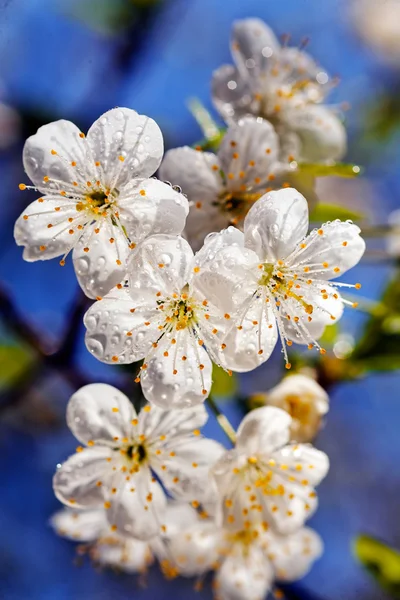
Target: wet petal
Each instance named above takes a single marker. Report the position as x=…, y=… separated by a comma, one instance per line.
x=75, y=482
x=245, y=575
x=149, y=207
x=178, y=375
x=126, y=144
x=100, y=258
x=45, y=228
x=50, y=152
x=306, y=465
x=331, y=250
x=231, y=94
x=276, y=223
x=79, y=525
x=156, y=423
x=248, y=153
x=264, y=430
x=160, y=265
x=254, y=46
x=99, y=413
x=118, y=330
x=292, y=556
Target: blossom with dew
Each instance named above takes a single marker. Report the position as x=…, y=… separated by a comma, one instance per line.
x=162, y=315
x=130, y=461
x=266, y=480
x=283, y=85
x=222, y=187
x=246, y=562
x=277, y=277
x=107, y=547
x=305, y=401
x=97, y=195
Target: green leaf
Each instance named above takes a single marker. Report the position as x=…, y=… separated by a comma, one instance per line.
x=335, y=170
x=223, y=383
x=381, y=561
x=329, y=212
x=14, y=360
x=330, y=334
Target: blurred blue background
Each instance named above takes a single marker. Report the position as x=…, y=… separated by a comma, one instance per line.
x=75, y=59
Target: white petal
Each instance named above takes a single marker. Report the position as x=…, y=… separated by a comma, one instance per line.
x=252, y=344
x=254, y=46
x=292, y=556
x=161, y=263
x=231, y=93
x=128, y=555
x=122, y=132
x=79, y=525
x=338, y=244
x=174, y=424
x=98, y=412
x=75, y=482
x=104, y=265
x=195, y=551
x=63, y=138
x=138, y=506
x=248, y=153
x=180, y=379
x=179, y=516
x=304, y=463
x=187, y=464
x=148, y=207
x=245, y=576
x=276, y=223
x=302, y=386
x=116, y=334
x=263, y=430
x=46, y=232
x=323, y=136
x=297, y=65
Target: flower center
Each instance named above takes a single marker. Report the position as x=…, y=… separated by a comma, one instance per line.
x=180, y=311
x=97, y=202
x=280, y=281
x=237, y=203
x=298, y=408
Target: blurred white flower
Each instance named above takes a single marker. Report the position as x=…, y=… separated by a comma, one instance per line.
x=110, y=549
x=263, y=480
x=378, y=23
x=283, y=85
x=124, y=450
x=162, y=315
x=304, y=399
x=276, y=277
x=97, y=196
x=246, y=562
x=393, y=239
x=222, y=187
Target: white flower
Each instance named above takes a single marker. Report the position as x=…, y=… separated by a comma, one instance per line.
x=124, y=450
x=283, y=85
x=278, y=278
x=108, y=548
x=222, y=187
x=163, y=316
x=264, y=480
x=97, y=196
x=378, y=25
x=393, y=238
x=306, y=402
x=246, y=562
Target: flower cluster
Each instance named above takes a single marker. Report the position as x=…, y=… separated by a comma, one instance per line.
x=147, y=485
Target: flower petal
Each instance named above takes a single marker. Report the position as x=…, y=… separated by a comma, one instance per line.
x=137, y=508
x=292, y=556
x=304, y=462
x=79, y=525
x=231, y=94
x=322, y=134
x=126, y=144
x=178, y=375
x=44, y=229
x=116, y=330
x=254, y=46
x=160, y=265
x=148, y=207
x=263, y=430
x=128, y=555
x=100, y=258
x=50, y=152
x=155, y=422
x=195, y=550
x=245, y=575
x=276, y=223
x=248, y=153
x=75, y=481
x=331, y=250
x=99, y=413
